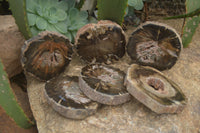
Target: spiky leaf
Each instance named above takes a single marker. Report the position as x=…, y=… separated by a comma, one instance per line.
x=18, y=8
x=191, y=23
x=112, y=10
x=9, y=103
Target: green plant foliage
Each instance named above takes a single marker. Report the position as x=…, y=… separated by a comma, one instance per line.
x=112, y=10
x=192, y=20
x=18, y=8
x=53, y=15
x=9, y=103
x=191, y=14
x=137, y=4
x=191, y=23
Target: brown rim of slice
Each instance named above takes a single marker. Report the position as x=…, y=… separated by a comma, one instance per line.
x=154, y=44
x=103, y=42
x=154, y=90
x=65, y=97
x=46, y=55
x=104, y=84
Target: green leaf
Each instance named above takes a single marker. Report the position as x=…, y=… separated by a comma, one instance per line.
x=30, y=6
x=41, y=23
x=83, y=15
x=63, y=5
x=51, y=27
x=69, y=36
x=189, y=30
x=34, y=31
x=31, y=19
x=109, y=10
x=61, y=27
x=61, y=15
x=52, y=11
x=73, y=13
x=137, y=4
x=71, y=4
x=191, y=23
x=18, y=8
x=9, y=103
x=39, y=10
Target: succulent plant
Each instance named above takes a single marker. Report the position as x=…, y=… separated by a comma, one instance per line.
x=137, y=4
x=53, y=15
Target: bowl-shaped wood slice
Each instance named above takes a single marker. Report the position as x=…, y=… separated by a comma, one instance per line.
x=154, y=44
x=46, y=55
x=64, y=95
x=104, y=84
x=101, y=42
x=154, y=90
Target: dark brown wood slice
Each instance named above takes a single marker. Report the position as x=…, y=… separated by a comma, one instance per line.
x=154, y=44
x=46, y=55
x=154, y=90
x=101, y=42
x=64, y=95
x=103, y=84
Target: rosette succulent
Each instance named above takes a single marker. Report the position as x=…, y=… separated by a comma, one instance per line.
x=54, y=15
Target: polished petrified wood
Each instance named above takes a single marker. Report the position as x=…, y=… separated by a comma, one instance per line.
x=46, y=55
x=101, y=42
x=154, y=90
x=64, y=95
x=104, y=84
x=154, y=44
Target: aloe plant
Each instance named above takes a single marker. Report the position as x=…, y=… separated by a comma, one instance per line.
x=18, y=8
x=9, y=103
x=112, y=10
x=192, y=20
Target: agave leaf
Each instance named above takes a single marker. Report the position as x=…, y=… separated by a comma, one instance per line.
x=191, y=23
x=109, y=10
x=137, y=4
x=9, y=103
x=41, y=23
x=18, y=8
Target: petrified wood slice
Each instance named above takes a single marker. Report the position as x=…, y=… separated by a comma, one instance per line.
x=154, y=90
x=155, y=44
x=64, y=95
x=46, y=55
x=104, y=84
x=101, y=42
